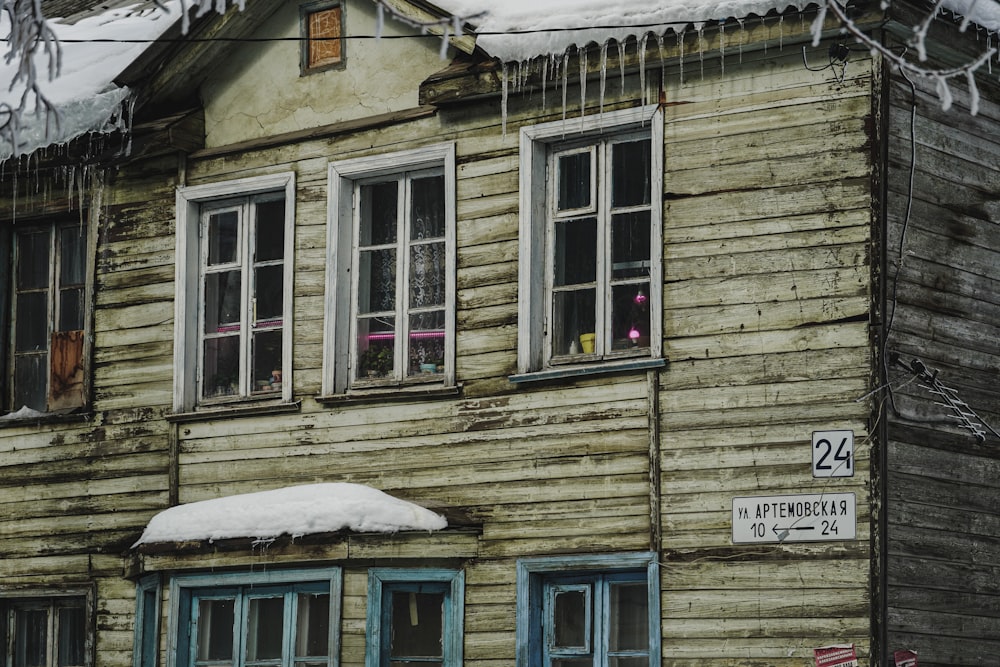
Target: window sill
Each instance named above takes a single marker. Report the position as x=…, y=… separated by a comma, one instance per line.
x=235, y=410
x=561, y=372
x=391, y=394
x=38, y=418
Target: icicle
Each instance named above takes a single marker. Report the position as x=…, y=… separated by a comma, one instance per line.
x=663, y=60
x=680, y=48
x=642, y=67
x=622, y=48
x=545, y=76
x=781, y=32
x=583, y=84
x=722, y=46
x=604, y=76
x=503, y=99
x=565, y=82
x=379, y=20
x=763, y=25
x=701, y=51
x=739, y=42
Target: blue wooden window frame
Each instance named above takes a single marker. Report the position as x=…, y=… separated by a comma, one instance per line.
x=383, y=582
x=186, y=591
x=540, y=577
x=148, y=591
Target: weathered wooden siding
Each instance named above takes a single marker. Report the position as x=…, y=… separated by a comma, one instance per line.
x=943, y=294
x=766, y=246
x=767, y=262
x=74, y=494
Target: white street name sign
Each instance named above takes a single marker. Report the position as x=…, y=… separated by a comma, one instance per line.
x=813, y=517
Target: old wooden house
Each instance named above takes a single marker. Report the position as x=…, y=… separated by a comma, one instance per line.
x=683, y=327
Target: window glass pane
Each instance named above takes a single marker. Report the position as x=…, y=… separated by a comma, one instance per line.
x=574, y=178
x=630, y=175
x=264, y=629
x=150, y=625
x=376, y=344
x=630, y=245
x=30, y=381
x=31, y=329
x=377, y=281
x=30, y=637
x=574, y=316
x=223, y=237
x=312, y=633
x=628, y=661
x=575, y=252
x=72, y=256
x=71, y=636
x=215, y=630
x=378, y=207
x=221, y=369
x=426, y=353
x=427, y=275
x=572, y=662
x=222, y=302
x=33, y=260
x=427, y=210
x=417, y=623
x=270, y=230
x=70, y=310
x=268, y=281
x=629, y=617
x=570, y=619
x=630, y=316
x=267, y=361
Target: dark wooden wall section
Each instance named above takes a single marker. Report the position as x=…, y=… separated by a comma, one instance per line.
x=943, y=482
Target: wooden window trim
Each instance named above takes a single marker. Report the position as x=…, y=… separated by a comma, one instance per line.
x=185, y=589
x=536, y=142
x=189, y=202
x=68, y=376
x=531, y=574
x=343, y=179
x=306, y=13
x=382, y=580
x=50, y=600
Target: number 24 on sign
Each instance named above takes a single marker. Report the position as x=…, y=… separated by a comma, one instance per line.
x=833, y=453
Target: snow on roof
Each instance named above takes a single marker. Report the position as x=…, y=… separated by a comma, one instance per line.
x=295, y=511
x=93, y=54
x=511, y=30
x=515, y=30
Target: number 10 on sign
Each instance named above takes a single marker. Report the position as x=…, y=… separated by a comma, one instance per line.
x=833, y=453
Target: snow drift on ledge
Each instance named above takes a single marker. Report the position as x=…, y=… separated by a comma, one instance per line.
x=295, y=511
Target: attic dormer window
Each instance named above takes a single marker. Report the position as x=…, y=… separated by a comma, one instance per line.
x=322, y=32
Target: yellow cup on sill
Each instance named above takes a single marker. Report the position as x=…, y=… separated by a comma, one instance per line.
x=587, y=343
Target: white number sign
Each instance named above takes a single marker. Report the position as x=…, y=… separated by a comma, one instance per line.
x=833, y=453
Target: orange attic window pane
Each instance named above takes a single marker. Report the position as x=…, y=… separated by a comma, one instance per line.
x=324, y=28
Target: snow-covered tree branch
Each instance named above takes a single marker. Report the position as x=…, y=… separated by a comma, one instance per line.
x=918, y=43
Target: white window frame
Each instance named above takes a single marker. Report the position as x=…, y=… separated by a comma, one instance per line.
x=536, y=144
x=344, y=177
x=190, y=201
